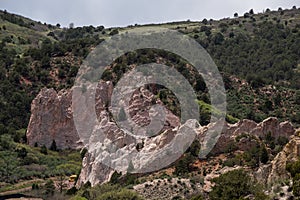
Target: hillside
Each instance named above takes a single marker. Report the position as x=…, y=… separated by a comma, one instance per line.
x=259, y=50
x=258, y=56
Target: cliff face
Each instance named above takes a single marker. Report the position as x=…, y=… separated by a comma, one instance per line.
x=52, y=119
x=52, y=115
x=121, y=151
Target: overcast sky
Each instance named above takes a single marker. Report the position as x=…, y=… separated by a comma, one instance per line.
x=112, y=13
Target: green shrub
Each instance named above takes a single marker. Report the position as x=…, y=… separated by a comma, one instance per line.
x=234, y=185
x=197, y=197
x=294, y=169
x=123, y=194
x=231, y=162
x=264, y=156
x=183, y=166
x=115, y=178
x=44, y=150
x=35, y=186
x=108, y=191
x=49, y=187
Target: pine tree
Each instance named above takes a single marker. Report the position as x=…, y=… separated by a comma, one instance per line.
x=44, y=150
x=264, y=156
x=53, y=146
x=50, y=188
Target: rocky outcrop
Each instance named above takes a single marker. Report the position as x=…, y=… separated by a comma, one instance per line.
x=52, y=119
x=109, y=155
x=228, y=136
x=245, y=135
x=52, y=115
x=111, y=147
x=232, y=131
x=276, y=170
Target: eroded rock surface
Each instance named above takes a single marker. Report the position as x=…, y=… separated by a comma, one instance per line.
x=52, y=119
x=260, y=130
x=276, y=170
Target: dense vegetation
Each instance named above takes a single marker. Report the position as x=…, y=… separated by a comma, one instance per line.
x=234, y=185
x=294, y=169
x=106, y=191
x=19, y=161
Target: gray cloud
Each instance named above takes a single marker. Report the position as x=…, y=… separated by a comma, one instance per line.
x=122, y=13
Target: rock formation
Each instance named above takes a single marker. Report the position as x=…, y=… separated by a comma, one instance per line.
x=111, y=147
x=276, y=170
x=231, y=131
x=245, y=135
x=52, y=115
x=52, y=119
